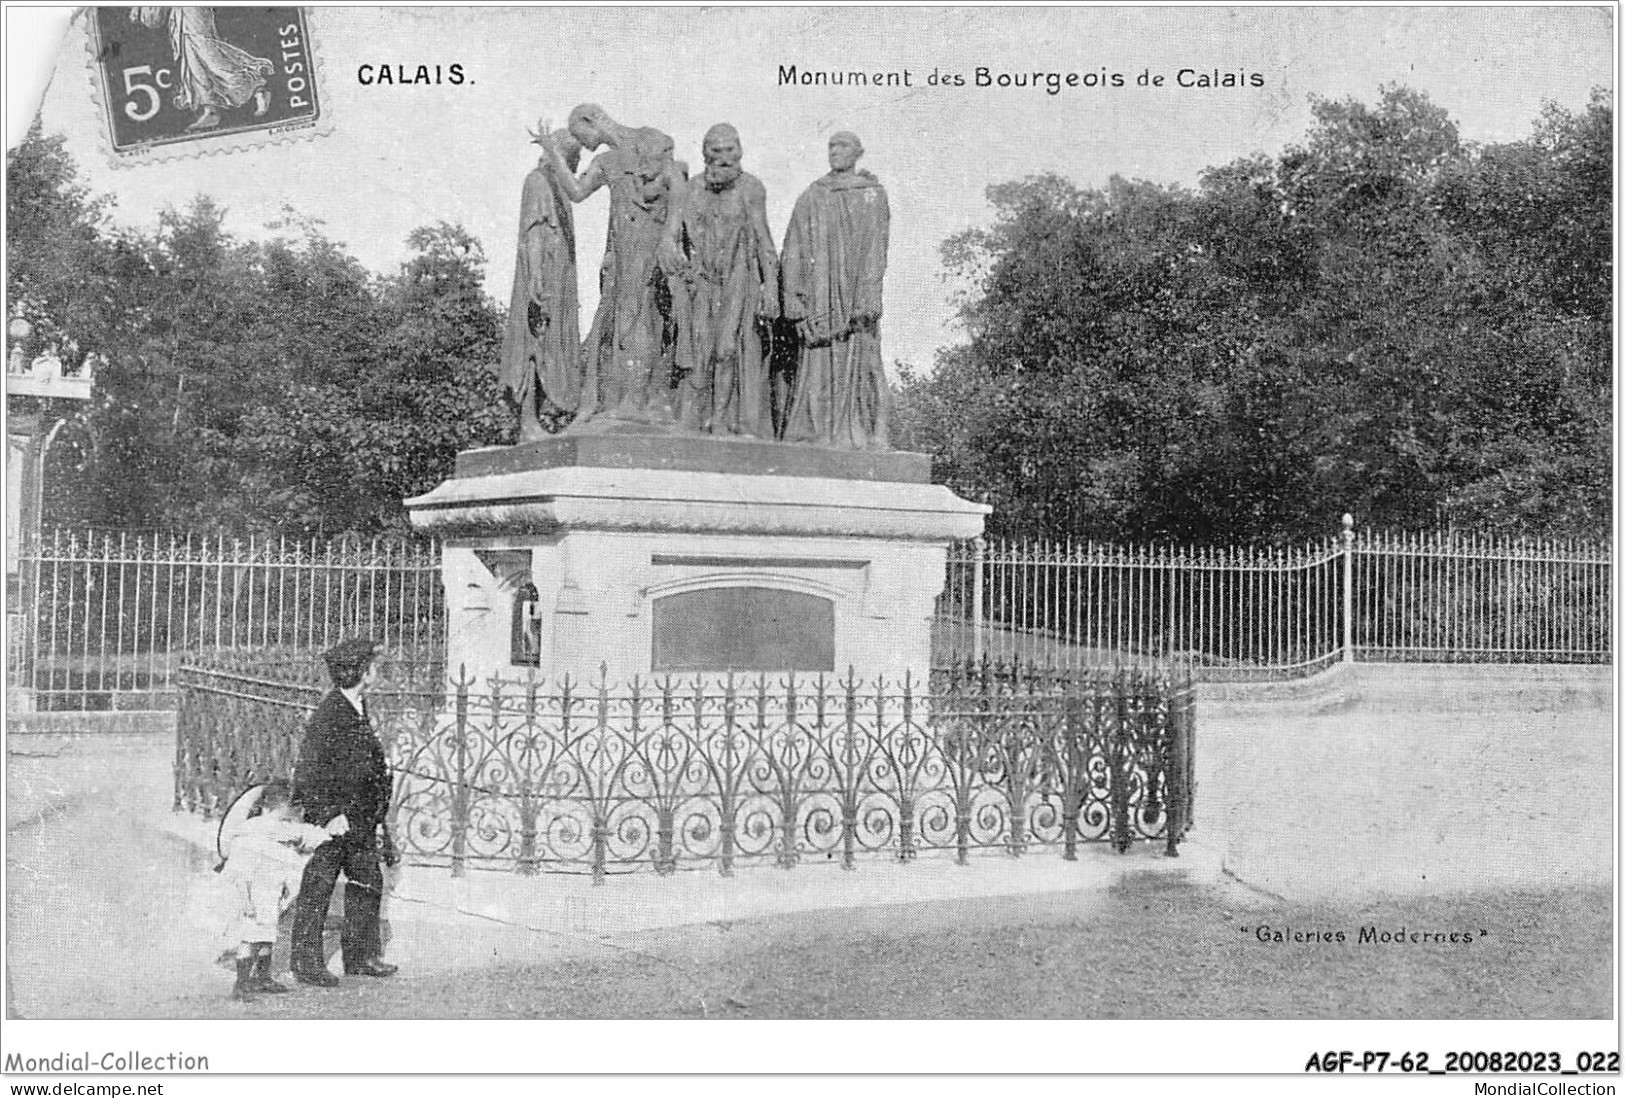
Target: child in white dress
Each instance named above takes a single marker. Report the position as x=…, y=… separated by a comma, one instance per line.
x=265, y=857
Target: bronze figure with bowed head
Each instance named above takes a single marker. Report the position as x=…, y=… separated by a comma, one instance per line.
x=541, y=350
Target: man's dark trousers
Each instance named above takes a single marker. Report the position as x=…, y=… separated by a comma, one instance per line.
x=363, y=893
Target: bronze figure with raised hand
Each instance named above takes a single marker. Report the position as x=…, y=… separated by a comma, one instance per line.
x=628, y=355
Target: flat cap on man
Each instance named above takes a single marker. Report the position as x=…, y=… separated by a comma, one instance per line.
x=347, y=658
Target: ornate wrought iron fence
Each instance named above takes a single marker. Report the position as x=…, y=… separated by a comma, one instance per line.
x=103, y=620
x=530, y=777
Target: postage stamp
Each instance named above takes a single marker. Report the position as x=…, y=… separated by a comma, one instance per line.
x=185, y=81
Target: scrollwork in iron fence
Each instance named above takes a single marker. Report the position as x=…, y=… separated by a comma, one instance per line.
x=720, y=771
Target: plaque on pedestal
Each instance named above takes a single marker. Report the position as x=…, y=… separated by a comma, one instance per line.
x=691, y=556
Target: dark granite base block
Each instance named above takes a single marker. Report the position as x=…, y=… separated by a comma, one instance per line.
x=697, y=454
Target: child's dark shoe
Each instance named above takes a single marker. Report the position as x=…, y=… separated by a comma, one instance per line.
x=244, y=989
x=262, y=975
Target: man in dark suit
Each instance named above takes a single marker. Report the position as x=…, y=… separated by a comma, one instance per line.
x=341, y=772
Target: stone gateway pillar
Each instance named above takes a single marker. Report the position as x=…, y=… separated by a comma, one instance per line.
x=691, y=555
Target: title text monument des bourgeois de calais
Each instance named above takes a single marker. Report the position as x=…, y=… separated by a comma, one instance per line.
x=723, y=496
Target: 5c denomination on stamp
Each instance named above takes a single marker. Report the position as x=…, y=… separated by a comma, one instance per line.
x=185, y=80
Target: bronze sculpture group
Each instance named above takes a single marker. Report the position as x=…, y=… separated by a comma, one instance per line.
x=702, y=326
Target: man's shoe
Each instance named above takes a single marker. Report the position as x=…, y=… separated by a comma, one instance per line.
x=372, y=966
x=316, y=977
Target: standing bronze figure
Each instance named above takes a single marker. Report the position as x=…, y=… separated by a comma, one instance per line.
x=541, y=351
x=726, y=284
x=628, y=354
x=833, y=266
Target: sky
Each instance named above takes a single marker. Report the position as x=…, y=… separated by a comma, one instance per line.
x=398, y=157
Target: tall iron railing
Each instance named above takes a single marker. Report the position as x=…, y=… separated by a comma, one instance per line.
x=531, y=776
x=103, y=620
x=1255, y=613
x=1273, y=612
x=1464, y=599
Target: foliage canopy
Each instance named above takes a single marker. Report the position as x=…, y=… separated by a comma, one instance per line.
x=1384, y=319
x=242, y=386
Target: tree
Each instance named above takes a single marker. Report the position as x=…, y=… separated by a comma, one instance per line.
x=182, y=327
x=1539, y=215
x=270, y=386
x=345, y=444
x=1382, y=319
x=58, y=255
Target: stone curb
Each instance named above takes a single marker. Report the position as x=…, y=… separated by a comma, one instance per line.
x=110, y=722
x=641, y=900
x=1433, y=687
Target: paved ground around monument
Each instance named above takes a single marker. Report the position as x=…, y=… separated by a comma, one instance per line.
x=1423, y=781
x=1147, y=948
x=1480, y=818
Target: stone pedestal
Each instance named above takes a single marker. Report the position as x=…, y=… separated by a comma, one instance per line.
x=691, y=556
